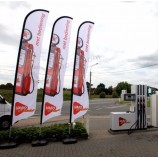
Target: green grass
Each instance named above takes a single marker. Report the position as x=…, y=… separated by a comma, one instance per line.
x=93, y=96
x=7, y=94
x=108, y=96
x=67, y=95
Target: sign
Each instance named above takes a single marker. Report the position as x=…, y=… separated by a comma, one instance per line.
x=56, y=66
x=79, y=100
x=28, y=62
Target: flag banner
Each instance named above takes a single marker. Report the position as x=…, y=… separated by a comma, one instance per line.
x=28, y=63
x=56, y=66
x=79, y=98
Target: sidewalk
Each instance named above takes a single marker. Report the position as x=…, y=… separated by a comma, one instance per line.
x=100, y=143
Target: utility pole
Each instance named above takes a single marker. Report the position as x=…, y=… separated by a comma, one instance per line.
x=91, y=79
x=90, y=84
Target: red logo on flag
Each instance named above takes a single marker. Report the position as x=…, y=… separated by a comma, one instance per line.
x=20, y=108
x=50, y=108
x=77, y=108
x=122, y=121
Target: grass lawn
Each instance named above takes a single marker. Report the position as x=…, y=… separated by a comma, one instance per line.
x=7, y=94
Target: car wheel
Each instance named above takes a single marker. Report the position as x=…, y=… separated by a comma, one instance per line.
x=5, y=122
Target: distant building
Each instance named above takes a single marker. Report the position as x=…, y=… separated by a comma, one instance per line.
x=151, y=90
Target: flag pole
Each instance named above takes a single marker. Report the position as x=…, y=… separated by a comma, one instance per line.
x=82, y=33
x=26, y=25
x=40, y=142
x=70, y=140
x=71, y=101
x=11, y=143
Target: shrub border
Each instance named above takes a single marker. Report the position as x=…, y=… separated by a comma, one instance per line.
x=55, y=132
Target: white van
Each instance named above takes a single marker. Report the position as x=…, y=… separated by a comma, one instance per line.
x=5, y=114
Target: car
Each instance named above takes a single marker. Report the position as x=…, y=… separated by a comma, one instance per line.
x=5, y=114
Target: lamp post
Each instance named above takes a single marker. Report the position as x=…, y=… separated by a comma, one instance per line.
x=90, y=79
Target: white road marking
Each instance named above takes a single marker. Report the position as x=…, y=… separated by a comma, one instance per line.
x=118, y=106
x=98, y=103
x=98, y=108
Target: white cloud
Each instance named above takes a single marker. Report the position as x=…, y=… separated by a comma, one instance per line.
x=122, y=32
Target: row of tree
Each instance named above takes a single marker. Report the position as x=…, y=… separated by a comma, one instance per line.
x=99, y=89
x=6, y=86
x=110, y=90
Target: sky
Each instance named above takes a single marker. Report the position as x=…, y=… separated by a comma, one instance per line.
x=124, y=39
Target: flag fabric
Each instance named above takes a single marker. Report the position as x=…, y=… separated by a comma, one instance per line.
x=56, y=66
x=28, y=63
x=79, y=100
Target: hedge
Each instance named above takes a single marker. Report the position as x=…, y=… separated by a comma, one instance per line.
x=102, y=95
x=56, y=132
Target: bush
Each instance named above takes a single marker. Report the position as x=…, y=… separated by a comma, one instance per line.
x=102, y=95
x=54, y=132
x=115, y=95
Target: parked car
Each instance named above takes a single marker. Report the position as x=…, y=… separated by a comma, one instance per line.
x=5, y=114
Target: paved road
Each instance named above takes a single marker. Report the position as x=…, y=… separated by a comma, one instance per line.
x=96, y=107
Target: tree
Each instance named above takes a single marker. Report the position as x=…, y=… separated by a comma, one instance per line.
x=102, y=95
x=115, y=95
x=123, y=86
x=110, y=90
x=100, y=88
x=7, y=86
x=2, y=86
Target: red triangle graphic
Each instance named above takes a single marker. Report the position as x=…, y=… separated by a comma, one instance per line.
x=77, y=107
x=122, y=121
x=20, y=108
x=49, y=108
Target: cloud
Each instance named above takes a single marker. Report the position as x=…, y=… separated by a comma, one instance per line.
x=121, y=39
x=145, y=61
x=7, y=37
x=14, y=5
x=3, y=51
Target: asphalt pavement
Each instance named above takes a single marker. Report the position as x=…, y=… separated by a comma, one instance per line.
x=96, y=107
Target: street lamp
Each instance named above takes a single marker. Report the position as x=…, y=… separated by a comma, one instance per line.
x=90, y=79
